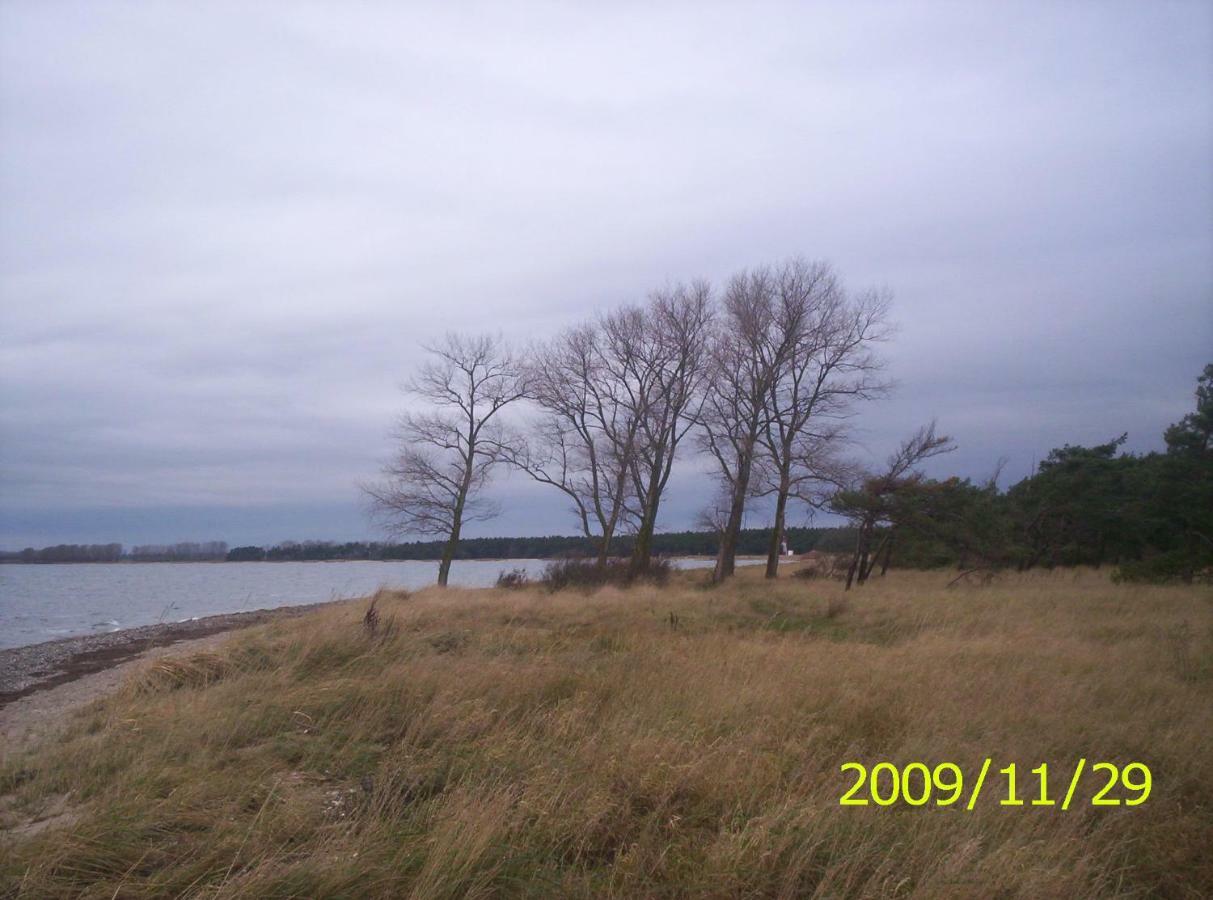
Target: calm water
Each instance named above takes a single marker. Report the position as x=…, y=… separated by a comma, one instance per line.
x=44, y=602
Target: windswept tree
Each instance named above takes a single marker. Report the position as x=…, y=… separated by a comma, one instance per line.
x=953, y=520
x=658, y=356
x=433, y=486
x=584, y=441
x=830, y=365
x=870, y=505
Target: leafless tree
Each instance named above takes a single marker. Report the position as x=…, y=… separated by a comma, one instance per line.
x=447, y=453
x=656, y=357
x=830, y=366
x=748, y=351
x=584, y=442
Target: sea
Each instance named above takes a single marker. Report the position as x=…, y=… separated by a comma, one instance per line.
x=43, y=602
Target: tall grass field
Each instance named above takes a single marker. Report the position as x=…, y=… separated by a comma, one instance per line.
x=673, y=741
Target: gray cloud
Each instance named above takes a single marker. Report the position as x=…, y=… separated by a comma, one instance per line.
x=224, y=230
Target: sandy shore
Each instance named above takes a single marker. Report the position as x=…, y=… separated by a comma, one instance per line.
x=41, y=683
x=37, y=667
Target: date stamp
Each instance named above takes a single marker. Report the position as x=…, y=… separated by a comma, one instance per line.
x=916, y=784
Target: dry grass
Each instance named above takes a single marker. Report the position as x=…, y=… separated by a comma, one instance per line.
x=669, y=742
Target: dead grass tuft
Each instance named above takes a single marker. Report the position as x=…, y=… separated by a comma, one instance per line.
x=171, y=673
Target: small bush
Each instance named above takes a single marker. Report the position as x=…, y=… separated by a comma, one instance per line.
x=513, y=579
x=822, y=565
x=586, y=574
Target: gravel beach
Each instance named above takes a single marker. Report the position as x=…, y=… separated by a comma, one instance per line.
x=26, y=670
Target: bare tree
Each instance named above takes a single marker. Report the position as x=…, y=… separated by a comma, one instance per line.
x=830, y=366
x=748, y=351
x=869, y=503
x=584, y=442
x=448, y=452
x=656, y=356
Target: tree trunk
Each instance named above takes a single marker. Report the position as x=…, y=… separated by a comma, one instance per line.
x=642, y=552
x=781, y=504
x=888, y=554
x=859, y=545
x=609, y=526
x=448, y=554
x=868, y=562
x=452, y=542
x=726, y=559
x=604, y=548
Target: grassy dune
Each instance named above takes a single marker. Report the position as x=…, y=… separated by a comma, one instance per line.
x=668, y=742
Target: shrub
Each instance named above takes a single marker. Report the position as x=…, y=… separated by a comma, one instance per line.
x=584, y=573
x=513, y=579
x=816, y=564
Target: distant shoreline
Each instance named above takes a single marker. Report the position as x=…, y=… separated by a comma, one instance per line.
x=691, y=544
x=241, y=562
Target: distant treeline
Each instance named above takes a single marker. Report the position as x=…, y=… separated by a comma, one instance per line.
x=62, y=553
x=679, y=543
x=186, y=551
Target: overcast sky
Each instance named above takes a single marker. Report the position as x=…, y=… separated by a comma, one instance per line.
x=225, y=229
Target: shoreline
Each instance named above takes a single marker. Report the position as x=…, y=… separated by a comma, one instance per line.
x=31, y=668
x=37, y=667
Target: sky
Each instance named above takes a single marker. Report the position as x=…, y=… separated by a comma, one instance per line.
x=226, y=229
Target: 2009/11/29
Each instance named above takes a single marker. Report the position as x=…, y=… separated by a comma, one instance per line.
x=914, y=784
